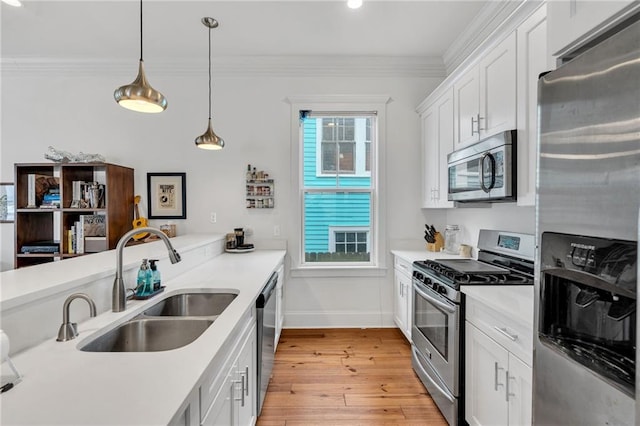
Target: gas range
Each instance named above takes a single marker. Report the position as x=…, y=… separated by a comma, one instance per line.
x=503, y=259
x=438, y=316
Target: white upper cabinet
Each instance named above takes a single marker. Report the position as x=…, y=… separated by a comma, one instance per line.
x=498, y=88
x=573, y=23
x=437, y=143
x=467, y=108
x=485, y=96
x=533, y=59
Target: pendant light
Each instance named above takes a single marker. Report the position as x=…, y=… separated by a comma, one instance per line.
x=209, y=140
x=139, y=95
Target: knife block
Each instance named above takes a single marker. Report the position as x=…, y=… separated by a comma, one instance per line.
x=438, y=245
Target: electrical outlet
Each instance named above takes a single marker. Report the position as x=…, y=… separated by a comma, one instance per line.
x=276, y=230
x=213, y=217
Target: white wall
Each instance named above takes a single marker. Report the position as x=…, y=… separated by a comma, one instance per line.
x=505, y=217
x=78, y=113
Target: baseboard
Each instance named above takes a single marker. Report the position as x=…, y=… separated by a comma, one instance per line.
x=338, y=319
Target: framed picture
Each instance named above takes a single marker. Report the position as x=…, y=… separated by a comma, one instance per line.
x=167, y=195
x=7, y=202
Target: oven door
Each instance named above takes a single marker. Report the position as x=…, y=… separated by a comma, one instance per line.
x=436, y=334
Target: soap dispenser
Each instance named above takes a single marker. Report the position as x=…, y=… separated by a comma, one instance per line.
x=145, y=283
x=155, y=274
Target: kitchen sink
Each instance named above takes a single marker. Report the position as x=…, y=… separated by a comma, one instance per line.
x=170, y=323
x=149, y=335
x=191, y=305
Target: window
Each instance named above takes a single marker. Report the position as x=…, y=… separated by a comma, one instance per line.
x=337, y=170
x=349, y=240
x=344, y=146
x=337, y=187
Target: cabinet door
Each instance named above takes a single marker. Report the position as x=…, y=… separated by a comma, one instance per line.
x=247, y=378
x=486, y=365
x=400, y=301
x=520, y=387
x=437, y=143
x=532, y=61
x=221, y=412
x=279, y=305
x=466, y=96
x=445, y=146
x=574, y=22
x=498, y=88
x=429, y=156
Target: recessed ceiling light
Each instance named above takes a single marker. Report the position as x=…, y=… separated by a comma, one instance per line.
x=14, y=3
x=354, y=4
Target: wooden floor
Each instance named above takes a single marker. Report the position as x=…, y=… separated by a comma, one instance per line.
x=346, y=377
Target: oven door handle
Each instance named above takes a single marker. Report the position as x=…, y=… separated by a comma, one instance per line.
x=443, y=305
x=444, y=392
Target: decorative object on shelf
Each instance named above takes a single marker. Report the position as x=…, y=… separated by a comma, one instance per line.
x=259, y=189
x=7, y=202
x=139, y=95
x=169, y=229
x=60, y=156
x=167, y=195
x=209, y=139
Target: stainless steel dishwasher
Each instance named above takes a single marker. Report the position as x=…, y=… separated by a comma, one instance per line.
x=266, y=321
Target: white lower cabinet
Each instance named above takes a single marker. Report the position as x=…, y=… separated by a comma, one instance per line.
x=402, y=296
x=279, y=305
x=498, y=372
x=228, y=398
x=498, y=384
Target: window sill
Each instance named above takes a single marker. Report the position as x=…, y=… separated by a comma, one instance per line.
x=338, y=271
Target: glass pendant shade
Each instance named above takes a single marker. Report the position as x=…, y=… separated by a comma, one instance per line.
x=140, y=96
x=209, y=140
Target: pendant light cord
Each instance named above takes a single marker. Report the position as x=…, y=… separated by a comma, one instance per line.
x=141, y=30
x=209, y=73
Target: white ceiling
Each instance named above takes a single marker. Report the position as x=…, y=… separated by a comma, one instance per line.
x=100, y=30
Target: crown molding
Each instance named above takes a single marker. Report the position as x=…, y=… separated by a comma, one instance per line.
x=286, y=66
x=487, y=22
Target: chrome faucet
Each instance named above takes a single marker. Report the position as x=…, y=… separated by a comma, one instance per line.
x=118, y=297
x=69, y=330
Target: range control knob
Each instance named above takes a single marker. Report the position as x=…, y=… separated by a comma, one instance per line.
x=442, y=289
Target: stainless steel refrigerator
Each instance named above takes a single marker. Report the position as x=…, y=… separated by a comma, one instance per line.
x=585, y=351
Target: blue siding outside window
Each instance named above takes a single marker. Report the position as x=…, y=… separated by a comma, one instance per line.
x=323, y=210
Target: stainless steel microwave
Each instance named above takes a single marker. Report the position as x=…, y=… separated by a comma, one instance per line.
x=484, y=171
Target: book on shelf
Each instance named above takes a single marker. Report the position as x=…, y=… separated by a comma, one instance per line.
x=94, y=225
x=38, y=186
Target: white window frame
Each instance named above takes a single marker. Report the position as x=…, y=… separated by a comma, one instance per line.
x=335, y=104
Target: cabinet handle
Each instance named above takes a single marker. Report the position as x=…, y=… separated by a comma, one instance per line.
x=495, y=377
x=473, y=121
x=505, y=333
x=507, y=394
x=246, y=372
x=480, y=118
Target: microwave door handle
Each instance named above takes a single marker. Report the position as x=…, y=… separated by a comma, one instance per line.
x=492, y=160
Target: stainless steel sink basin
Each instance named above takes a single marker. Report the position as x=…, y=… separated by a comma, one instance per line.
x=149, y=335
x=191, y=305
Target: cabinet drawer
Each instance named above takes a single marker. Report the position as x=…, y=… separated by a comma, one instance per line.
x=512, y=333
x=403, y=265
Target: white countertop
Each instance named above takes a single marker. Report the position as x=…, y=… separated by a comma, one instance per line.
x=515, y=301
x=62, y=385
x=413, y=255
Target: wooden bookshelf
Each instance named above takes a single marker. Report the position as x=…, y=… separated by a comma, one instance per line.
x=34, y=225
